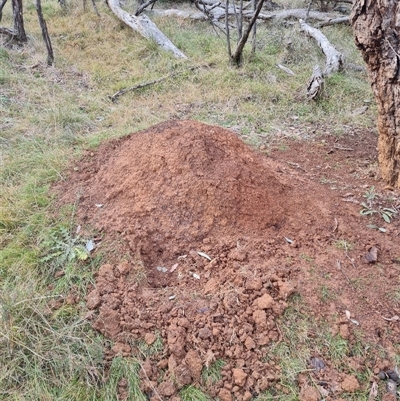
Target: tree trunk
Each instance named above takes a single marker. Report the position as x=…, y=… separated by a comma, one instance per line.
x=376, y=27
x=19, y=20
x=45, y=33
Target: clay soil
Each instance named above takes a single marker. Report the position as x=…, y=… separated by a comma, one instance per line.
x=215, y=238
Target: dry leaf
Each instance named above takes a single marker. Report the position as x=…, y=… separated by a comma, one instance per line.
x=373, y=393
x=204, y=255
x=395, y=318
x=173, y=268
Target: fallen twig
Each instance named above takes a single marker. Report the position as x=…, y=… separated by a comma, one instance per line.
x=342, y=148
x=285, y=69
x=121, y=92
x=334, y=21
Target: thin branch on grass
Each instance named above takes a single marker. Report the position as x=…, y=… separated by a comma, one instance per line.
x=95, y=8
x=38, y=298
x=13, y=340
x=8, y=31
x=334, y=21
x=285, y=69
x=141, y=8
x=308, y=10
x=121, y=92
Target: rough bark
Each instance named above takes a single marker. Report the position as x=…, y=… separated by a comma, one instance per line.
x=19, y=21
x=145, y=27
x=376, y=25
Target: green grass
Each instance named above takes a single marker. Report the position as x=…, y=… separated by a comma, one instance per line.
x=192, y=393
x=49, y=116
x=211, y=374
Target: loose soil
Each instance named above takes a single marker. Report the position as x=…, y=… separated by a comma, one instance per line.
x=215, y=237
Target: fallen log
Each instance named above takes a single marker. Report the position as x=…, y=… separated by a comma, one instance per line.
x=145, y=27
x=334, y=59
x=219, y=13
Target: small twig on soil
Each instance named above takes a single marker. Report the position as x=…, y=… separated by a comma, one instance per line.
x=121, y=92
x=339, y=266
x=348, y=257
x=336, y=225
x=297, y=165
x=232, y=337
x=342, y=148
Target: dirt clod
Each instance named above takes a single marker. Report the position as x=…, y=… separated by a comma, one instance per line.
x=350, y=384
x=239, y=377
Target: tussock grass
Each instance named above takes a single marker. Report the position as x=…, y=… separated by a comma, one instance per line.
x=50, y=115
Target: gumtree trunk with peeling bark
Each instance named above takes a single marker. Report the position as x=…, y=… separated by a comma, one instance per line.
x=376, y=25
x=18, y=16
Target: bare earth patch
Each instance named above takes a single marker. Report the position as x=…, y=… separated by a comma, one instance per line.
x=216, y=238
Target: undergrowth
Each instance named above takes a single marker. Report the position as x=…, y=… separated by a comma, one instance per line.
x=49, y=116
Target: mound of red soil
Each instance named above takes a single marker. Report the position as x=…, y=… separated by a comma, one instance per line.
x=167, y=189
x=215, y=236
x=181, y=182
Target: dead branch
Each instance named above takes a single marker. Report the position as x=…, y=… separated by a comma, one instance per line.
x=299, y=13
x=334, y=21
x=121, y=92
x=145, y=27
x=315, y=85
x=218, y=10
x=285, y=69
x=334, y=59
x=173, y=12
x=141, y=8
x=308, y=10
x=7, y=31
